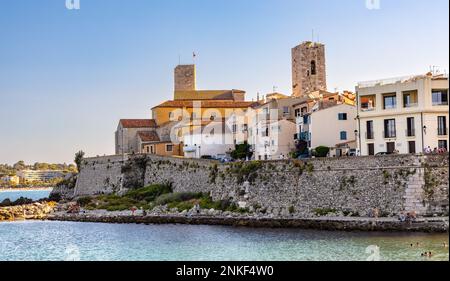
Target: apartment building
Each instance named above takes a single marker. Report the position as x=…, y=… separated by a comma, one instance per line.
x=272, y=126
x=30, y=176
x=403, y=115
x=328, y=120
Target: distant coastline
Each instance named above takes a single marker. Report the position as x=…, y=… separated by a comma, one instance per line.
x=25, y=188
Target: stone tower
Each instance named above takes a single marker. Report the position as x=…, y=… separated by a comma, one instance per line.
x=308, y=68
x=185, y=77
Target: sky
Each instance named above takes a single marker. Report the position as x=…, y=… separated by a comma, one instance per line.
x=68, y=76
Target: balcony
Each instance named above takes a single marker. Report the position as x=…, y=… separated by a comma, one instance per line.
x=305, y=136
x=411, y=105
x=366, y=109
x=370, y=135
x=389, y=134
x=410, y=133
x=437, y=103
x=189, y=148
x=442, y=131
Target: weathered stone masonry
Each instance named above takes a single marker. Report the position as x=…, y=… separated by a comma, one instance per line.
x=338, y=185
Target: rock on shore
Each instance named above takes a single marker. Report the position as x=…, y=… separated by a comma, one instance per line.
x=38, y=210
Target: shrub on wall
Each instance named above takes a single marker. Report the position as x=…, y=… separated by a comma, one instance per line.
x=321, y=151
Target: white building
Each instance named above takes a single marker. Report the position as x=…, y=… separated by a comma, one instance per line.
x=208, y=138
x=272, y=128
x=13, y=180
x=329, y=120
x=404, y=115
x=39, y=175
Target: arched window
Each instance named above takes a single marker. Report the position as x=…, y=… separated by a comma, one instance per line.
x=313, y=67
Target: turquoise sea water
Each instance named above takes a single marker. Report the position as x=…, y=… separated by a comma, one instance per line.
x=31, y=194
x=45, y=240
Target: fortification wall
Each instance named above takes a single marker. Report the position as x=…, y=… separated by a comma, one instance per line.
x=353, y=185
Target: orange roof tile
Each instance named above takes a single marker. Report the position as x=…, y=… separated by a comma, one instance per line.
x=138, y=123
x=206, y=104
x=146, y=136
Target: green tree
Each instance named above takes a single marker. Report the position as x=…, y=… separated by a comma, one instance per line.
x=79, y=159
x=241, y=151
x=20, y=166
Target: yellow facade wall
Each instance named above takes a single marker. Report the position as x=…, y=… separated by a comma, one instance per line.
x=163, y=115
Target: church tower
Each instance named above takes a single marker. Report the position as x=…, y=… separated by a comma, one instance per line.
x=185, y=78
x=308, y=68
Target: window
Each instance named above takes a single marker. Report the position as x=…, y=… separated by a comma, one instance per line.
x=389, y=101
x=169, y=147
x=313, y=67
x=368, y=102
x=442, y=144
x=442, y=125
x=265, y=133
x=389, y=128
x=371, y=149
x=171, y=115
x=412, y=147
x=390, y=147
x=234, y=128
x=342, y=116
x=410, y=99
x=369, y=130
x=440, y=97
x=343, y=135
x=285, y=110
x=304, y=110
x=245, y=128
x=410, y=131
x=297, y=112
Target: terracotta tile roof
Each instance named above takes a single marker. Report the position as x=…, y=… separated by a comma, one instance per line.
x=206, y=104
x=148, y=136
x=138, y=123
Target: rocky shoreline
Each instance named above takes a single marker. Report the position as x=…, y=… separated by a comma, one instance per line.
x=34, y=211
x=52, y=211
x=429, y=225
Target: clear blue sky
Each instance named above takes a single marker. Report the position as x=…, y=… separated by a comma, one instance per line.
x=68, y=76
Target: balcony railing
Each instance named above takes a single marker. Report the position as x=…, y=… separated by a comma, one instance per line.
x=389, y=134
x=442, y=131
x=305, y=136
x=365, y=109
x=435, y=103
x=409, y=105
x=410, y=133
